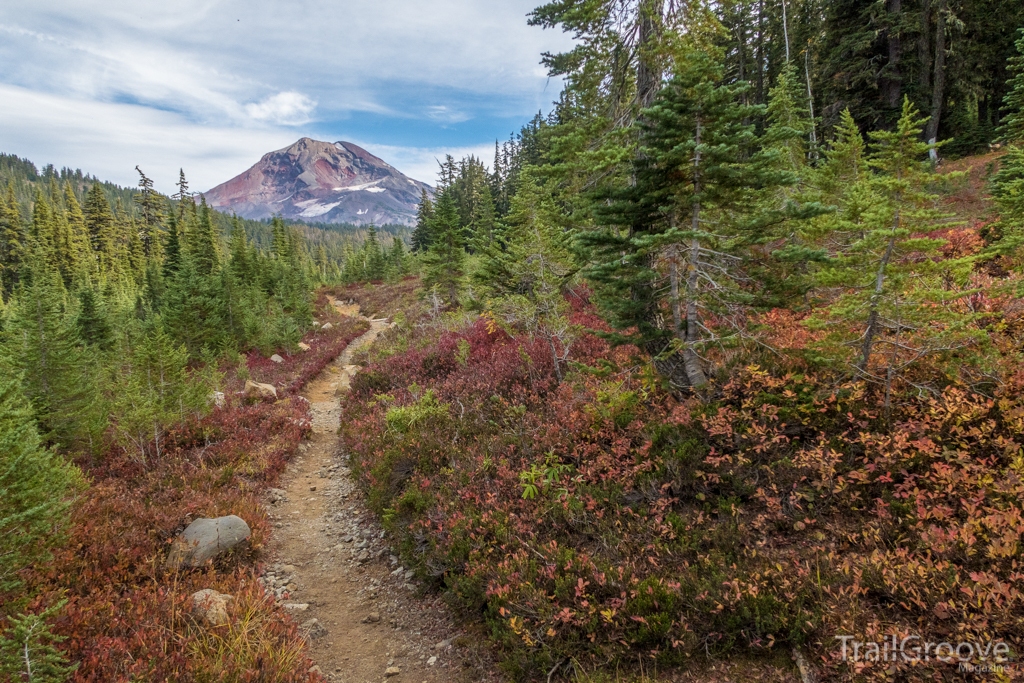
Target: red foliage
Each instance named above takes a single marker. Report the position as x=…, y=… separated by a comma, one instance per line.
x=127, y=617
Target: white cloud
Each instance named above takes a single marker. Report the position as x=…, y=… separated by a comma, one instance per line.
x=285, y=108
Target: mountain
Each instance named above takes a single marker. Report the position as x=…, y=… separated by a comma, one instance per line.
x=322, y=181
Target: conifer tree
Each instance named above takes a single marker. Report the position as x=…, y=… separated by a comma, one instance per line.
x=424, y=214
x=396, y=258
x=524, y=285
x=373, y=255
x=92, y=323
x=11, y=241
x=676, y=236
x=444, y=262
x=99, y=220
x=36, y=486
x=150, y=205
x=1012, y=129
x=80, y=246
x=172, y=249
x=43, y=346
x=899, y=300
x=203, y=242
x=28, y=649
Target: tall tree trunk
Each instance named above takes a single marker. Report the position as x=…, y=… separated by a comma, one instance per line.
x=872, y=326
x=939, y=81
x=891, y=86
x=691, y=361
x=673, y=279
x=648, y=72
x=924, y=47
x=759, y=57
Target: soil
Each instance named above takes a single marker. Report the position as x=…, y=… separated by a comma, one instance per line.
x=366, y=617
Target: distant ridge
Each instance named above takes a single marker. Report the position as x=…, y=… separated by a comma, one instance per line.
x=328, y=182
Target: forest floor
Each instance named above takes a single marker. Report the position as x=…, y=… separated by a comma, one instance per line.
x=363, y=613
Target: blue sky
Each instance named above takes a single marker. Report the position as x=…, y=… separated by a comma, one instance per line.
x=212, y=85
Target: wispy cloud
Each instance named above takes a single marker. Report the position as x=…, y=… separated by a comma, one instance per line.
x=285, y=108
x=230, y=76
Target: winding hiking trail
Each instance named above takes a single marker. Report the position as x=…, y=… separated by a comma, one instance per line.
x=332, y=568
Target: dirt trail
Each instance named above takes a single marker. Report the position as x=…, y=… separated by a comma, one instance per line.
x=333, y=570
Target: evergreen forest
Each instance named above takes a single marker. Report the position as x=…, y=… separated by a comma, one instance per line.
x=713, y=365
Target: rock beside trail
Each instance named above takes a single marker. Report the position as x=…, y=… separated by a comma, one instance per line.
x=259, y=389
x=205, y=539
x=303, y=346
x=313, y=629
x=276, y=358
x=327, y=326
x=210, y=607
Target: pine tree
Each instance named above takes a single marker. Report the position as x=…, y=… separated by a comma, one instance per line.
x=525, y=284
x=36, y=486
x=172, y=249
x=900, y=300
x=373, y=255
x=424, y=214
x=80, y=246
x=28, y=649
x=43, y=347
x=99, y=221
x=92, y=323
x=150, y=205
x=396, y=258
x=202, y=242
x=444, y=262
x=1012, y=129
x=12, y=240
x=675, y=238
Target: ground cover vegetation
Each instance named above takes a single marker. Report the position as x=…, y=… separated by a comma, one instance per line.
x=127, y=333
x=716, y=377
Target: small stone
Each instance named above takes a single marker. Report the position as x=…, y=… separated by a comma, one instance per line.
x=371, y=618
x=392, y=671
x=288, y=569
x=296, y=606
x=313, y=629
x=398, y=572
x=410, y=574
x=315, y=670
x=432, y=661
x=327, y=326
x=303, y=346
x=312, y=488
x=276, y=358
x=211, y=607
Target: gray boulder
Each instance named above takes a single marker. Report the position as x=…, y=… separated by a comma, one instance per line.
x=276, y=358
x=205, y=539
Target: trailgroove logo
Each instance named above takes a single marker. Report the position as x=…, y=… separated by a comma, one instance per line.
x=981, y=657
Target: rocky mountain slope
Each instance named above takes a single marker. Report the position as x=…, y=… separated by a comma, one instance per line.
x=322, y=181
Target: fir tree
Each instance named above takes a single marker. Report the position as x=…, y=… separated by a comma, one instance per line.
x=28, y=649
x=525, y=284
x=424, y=215
x=202, y=242
x=172, y=249
x=1012, y=129
x=99, y=221
x=150, y=205
x=677, y=235
x=36, y=486
x=899, y=300
x=444, y=262
x=93, y=327
x=11, y=241
x=80, y=245
x=44, y=347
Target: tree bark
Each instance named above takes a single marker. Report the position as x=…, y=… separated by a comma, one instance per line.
x=939, y=80
x=872, y=326
x=891, y=86
x=691, y=361
x=924, y=47
x=648, y=72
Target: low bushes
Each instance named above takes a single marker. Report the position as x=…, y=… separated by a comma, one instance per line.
x=599, y=520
